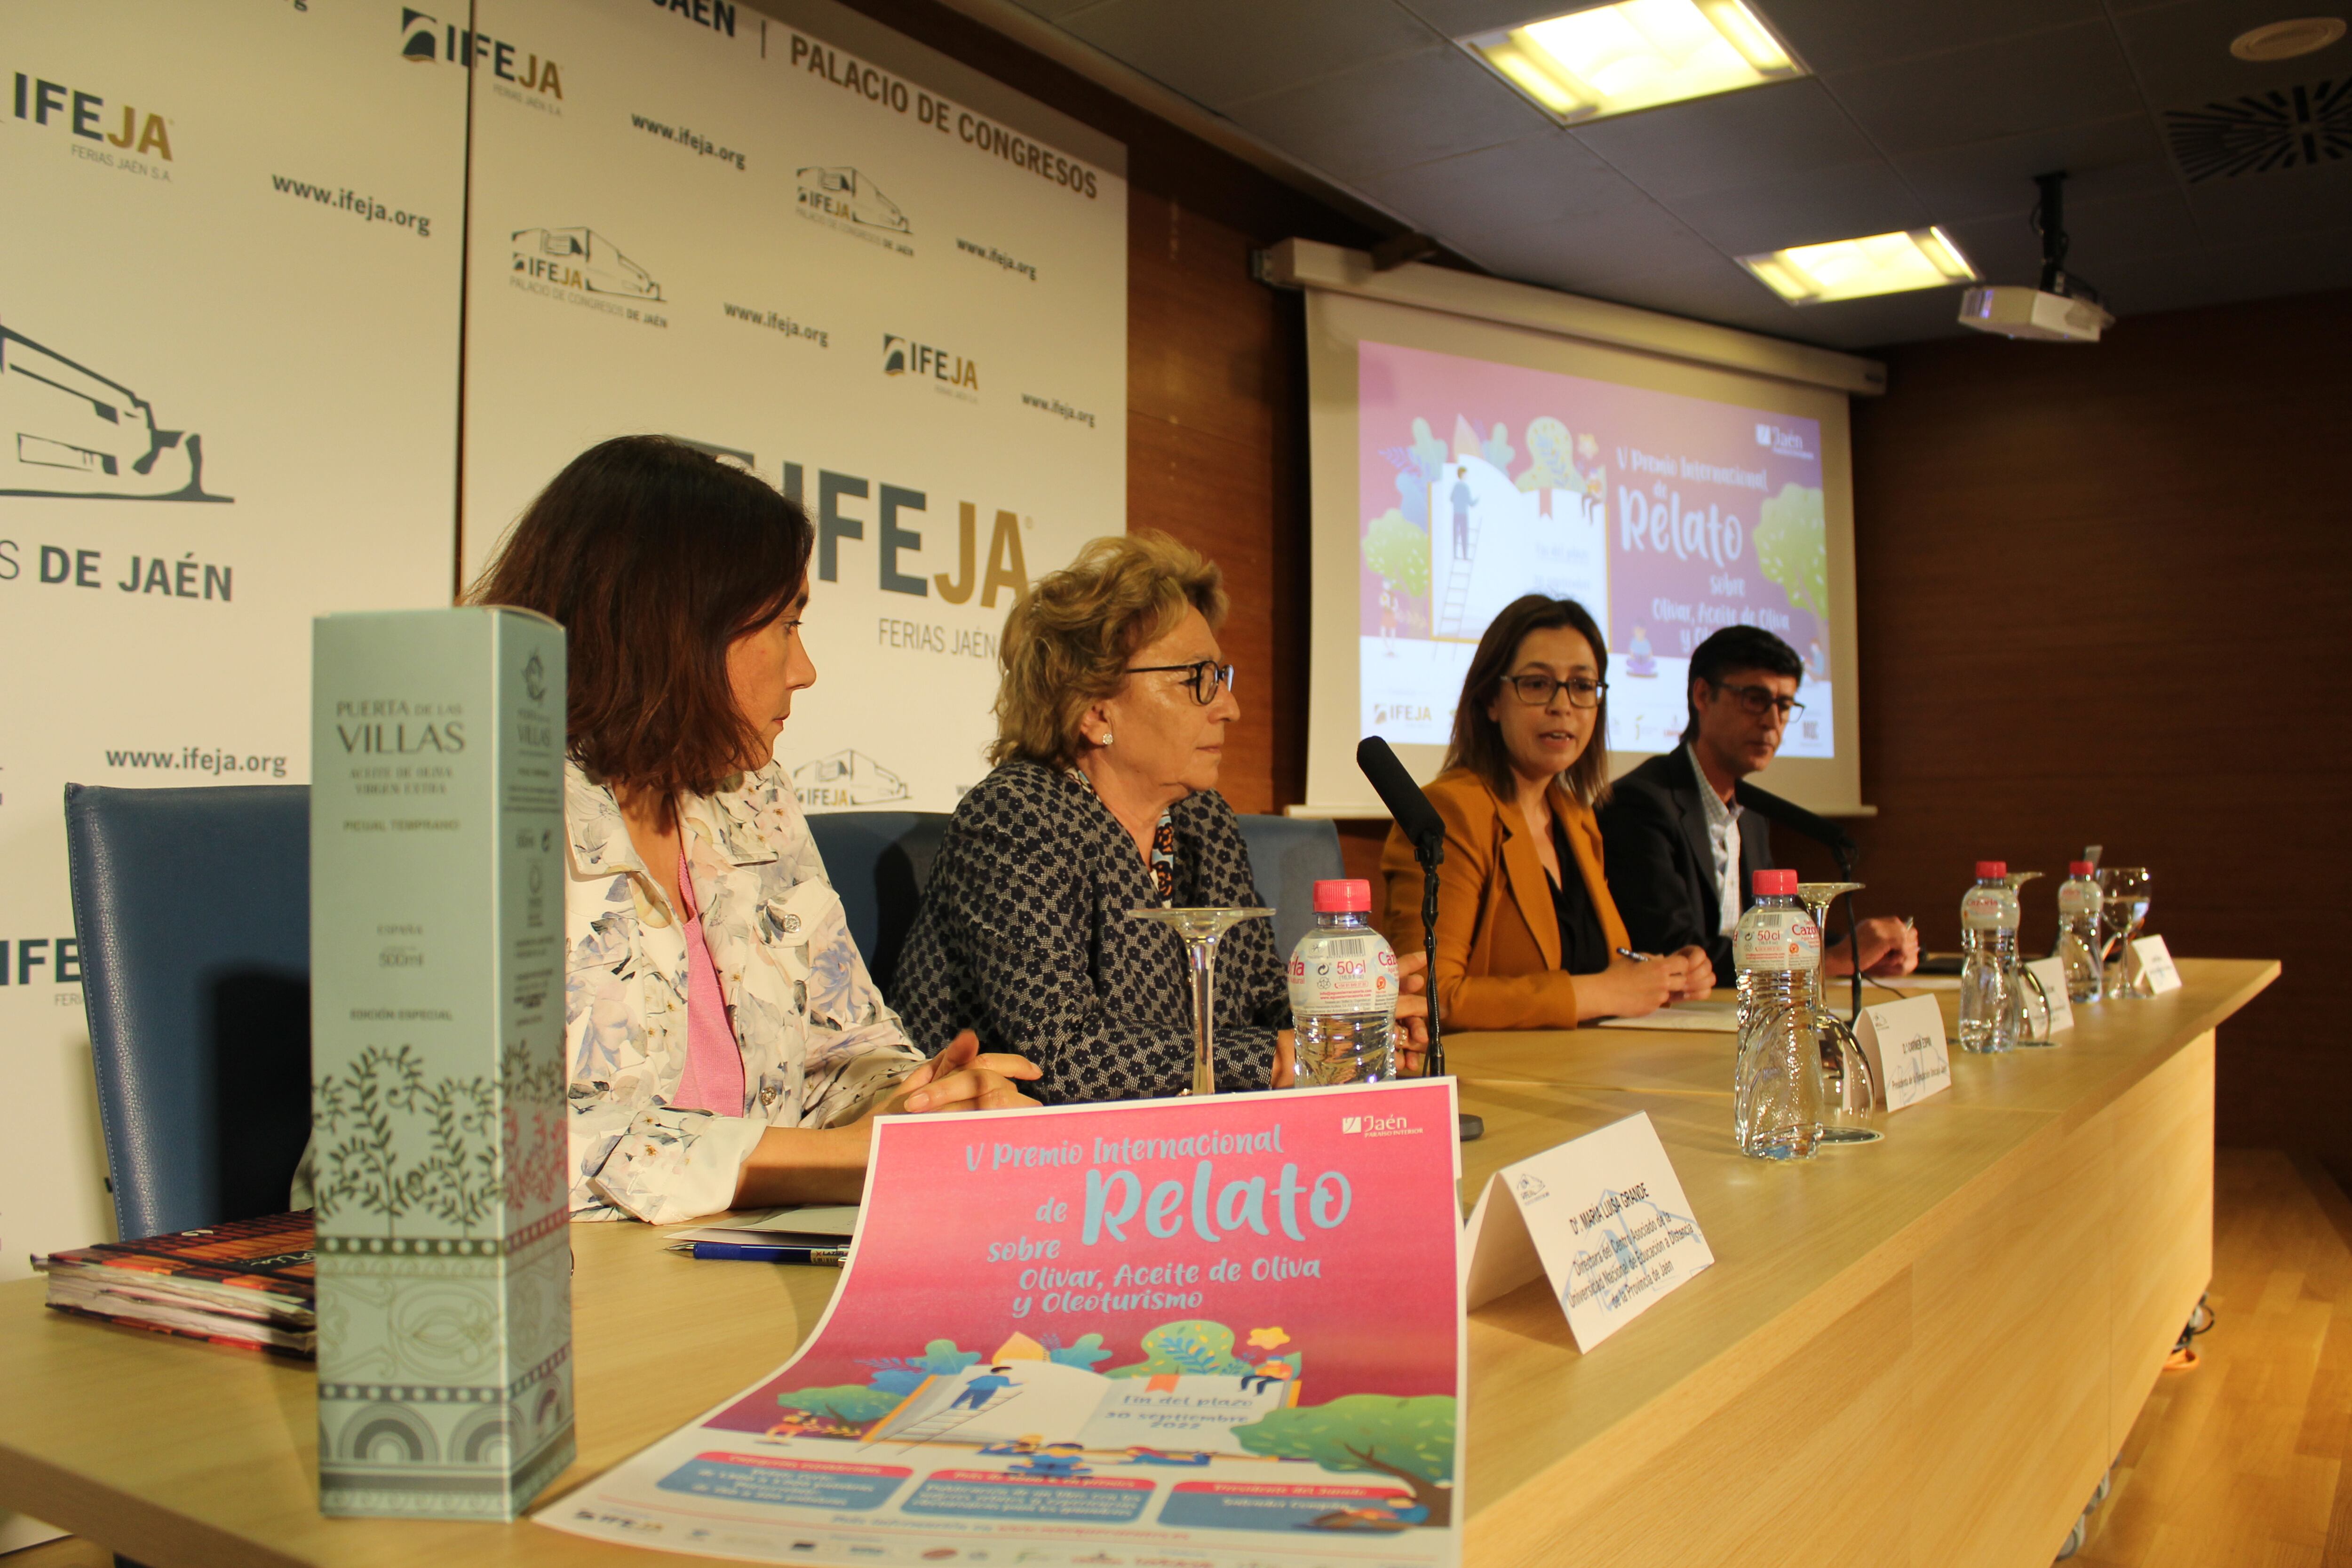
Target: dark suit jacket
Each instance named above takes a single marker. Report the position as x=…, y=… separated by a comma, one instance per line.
x=1653, y=838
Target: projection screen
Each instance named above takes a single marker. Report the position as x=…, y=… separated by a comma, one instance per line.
x=1459, y=462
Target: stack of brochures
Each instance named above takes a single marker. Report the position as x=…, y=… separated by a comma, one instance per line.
x=246, y=1283
x=807, y=1224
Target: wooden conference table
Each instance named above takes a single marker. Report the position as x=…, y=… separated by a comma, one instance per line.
x=1922, y=1350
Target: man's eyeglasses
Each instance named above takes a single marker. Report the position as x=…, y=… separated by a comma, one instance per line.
x=1536, y=691
x=1758, y=701
x=1206, y=679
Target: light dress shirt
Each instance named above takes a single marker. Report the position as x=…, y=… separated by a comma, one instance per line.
x=1722, y=843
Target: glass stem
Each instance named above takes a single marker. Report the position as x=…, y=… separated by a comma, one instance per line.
x=1203, y=951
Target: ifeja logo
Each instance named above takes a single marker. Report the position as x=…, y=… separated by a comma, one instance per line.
x=424, y=38
x=580, y=259
x=85, y=115
x=904, y=357
x=847, y=778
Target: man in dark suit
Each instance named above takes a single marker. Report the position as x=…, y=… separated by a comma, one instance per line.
x=1680, y=854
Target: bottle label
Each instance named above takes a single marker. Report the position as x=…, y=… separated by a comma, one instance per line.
x=2078, y=898
x=1989, y=909
x=1346, y=975
x=1777, y=939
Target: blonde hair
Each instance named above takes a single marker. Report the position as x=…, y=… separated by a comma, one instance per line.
x=1067, y=641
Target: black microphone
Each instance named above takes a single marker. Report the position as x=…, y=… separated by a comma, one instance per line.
x=1790, y=815
x=1422, y=827
x=1426, y=831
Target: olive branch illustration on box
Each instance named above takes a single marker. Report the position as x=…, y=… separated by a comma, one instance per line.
x=392, y=1144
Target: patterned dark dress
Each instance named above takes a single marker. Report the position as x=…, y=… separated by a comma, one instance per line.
x=1024, y=937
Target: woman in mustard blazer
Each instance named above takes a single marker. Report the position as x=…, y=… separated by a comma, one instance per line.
x=1528, y=936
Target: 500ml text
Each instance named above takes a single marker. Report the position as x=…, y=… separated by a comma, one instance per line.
x=185, y=578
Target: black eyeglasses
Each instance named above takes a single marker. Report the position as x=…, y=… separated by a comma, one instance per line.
x=1207, y=679
x=1536, y=691
x=1759, y=700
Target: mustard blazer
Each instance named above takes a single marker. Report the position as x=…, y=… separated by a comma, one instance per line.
x=1497, y=935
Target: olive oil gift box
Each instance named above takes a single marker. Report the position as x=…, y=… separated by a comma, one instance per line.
x=436, y=1061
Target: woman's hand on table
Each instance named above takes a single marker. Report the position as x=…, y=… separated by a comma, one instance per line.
x=1698, y=973
x=963, y=1077
x=1628, y=989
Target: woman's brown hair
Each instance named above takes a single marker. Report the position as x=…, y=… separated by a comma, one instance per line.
x=1477, y=742
x=653, y=557
x=1067, y=641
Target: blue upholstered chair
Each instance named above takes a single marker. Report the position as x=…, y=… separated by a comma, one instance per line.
x=193, y=908
x=878, y=861
x=1288, y=856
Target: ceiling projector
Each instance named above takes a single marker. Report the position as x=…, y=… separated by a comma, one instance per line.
x=2015, y=311
x=2061, y=307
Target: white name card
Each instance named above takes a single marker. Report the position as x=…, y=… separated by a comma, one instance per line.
x=2051, y=972
x=1602, y=1216
x=1905, y=1042
x=2151, y=967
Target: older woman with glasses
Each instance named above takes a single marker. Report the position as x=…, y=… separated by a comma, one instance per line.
x=1528, y=936
x=1111, y=724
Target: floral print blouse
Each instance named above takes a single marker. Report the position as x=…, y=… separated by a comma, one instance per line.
x=820, y=1048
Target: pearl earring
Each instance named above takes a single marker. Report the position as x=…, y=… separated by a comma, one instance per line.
x=1105, y=740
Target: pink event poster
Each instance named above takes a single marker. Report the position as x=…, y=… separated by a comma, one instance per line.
x=1221, y=1333
x=1668, y=517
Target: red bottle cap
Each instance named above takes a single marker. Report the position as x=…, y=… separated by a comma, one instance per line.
x=2078, y=868
x=1775, y=884
x=1991, y=868
x=1343, y=895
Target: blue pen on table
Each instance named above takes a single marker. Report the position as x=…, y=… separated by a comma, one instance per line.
x=752, y=1252
x=1636, y=957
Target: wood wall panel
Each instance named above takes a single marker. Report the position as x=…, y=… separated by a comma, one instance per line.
x=2101, y=598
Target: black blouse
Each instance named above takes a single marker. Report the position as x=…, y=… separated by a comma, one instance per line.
x=1583, y=948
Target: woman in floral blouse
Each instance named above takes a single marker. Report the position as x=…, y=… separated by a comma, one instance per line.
x=727, y=1044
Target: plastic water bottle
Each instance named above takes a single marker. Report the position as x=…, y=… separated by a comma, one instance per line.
x=2078, y=931
x=1989, y=973
x=1776, y=1082
x=1343, y=990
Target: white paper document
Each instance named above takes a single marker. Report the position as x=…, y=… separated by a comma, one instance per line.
x=829, y=1221
x=1909, y=1057
x=1602, y=1217
x=1706, y=1016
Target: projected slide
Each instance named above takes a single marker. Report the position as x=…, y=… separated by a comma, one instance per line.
x=1667, y=516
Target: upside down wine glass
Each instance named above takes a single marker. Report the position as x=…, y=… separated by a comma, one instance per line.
x=1848, y=1095
x=2124, y=892
x=1200, y=928
x=2030, y=1000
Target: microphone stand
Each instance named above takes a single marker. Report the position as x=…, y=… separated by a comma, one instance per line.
x=1430, y=850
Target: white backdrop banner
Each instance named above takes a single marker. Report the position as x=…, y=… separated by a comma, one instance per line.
x=228, y=384
x=882, y=281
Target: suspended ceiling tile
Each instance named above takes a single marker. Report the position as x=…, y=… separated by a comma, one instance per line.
x=1833, y=35
x=2181, y=52
x=2275, y=204
x=1722, y=292
x=2109, y=157
x=1715, y=143
x=2115, y=229
x=2069, y=75
x=1462, y=18
x=1887, y=318
x=1537, y=179
x=2002, y=249
x=1570, y=252
x=1392, y=113
x=1804, y=209
x=1221, y=52
x=2307, y=264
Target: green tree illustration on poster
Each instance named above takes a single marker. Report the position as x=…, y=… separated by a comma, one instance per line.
x=1411, y=1439
x=1194, y=1347
x=1399, y=552
x=1792, y=548
x=851, y=1402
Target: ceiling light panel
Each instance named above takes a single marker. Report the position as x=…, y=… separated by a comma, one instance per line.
x=1638, y=53
x=1857, y=268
